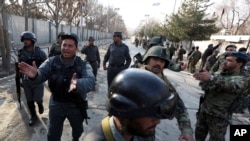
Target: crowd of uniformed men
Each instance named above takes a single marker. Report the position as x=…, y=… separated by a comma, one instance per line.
x=137, y=97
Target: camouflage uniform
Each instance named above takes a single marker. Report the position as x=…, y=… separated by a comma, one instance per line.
x=210, y=62
x=180, y=54
x=172, y=50
x=216, y=110
x=218, y=66
x=194, y=59
x=181, y=113
x=55, y=49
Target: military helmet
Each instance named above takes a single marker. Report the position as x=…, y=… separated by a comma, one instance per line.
x=28, y=35
x=157, y=51
x=156, y=40
x=60, y=34
x=136, y=93
x=70, y=36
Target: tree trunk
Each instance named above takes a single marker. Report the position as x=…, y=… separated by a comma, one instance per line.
x=5, y=45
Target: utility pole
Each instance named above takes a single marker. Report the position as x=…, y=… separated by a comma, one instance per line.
x=25, y=2
x=107, y=28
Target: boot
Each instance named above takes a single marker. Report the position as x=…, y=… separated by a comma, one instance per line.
x=33, y=119
x=40, y=107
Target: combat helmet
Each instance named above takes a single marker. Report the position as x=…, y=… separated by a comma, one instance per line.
x=28, y=35
x=155, y=41
x=60, y=34
x=136, y=93
x=157, y=51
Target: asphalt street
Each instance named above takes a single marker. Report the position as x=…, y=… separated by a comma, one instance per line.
x=14, y=121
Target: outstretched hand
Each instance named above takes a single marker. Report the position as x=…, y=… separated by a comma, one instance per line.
x=73, y=83
x=28, y=70
x=183, y=66
x=202, y=76
x=186, y=137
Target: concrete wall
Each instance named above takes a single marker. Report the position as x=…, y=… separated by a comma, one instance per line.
x=46, y=31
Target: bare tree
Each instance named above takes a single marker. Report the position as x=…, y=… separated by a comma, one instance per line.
x=67, y=10
x=234, y=15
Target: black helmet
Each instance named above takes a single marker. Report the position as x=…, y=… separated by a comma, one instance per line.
x=28, y=35
x=157, y=51
x=138, y=93
x=70, y=36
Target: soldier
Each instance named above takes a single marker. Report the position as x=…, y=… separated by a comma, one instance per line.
x=194, y=59
x=189, y=53
x=221, y=91
x=118, y=57
x=207, y=53
x=172, y=50
x=137, y=100
x=92, y=55
x=28, y=54
x=180, y=54
x=218, y=66
x=211, y=60
x=154, y=61
x=55, y=49
x=69, y=79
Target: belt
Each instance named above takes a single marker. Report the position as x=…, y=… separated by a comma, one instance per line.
x=116, y=66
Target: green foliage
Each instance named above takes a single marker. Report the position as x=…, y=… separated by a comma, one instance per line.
x=191, y=22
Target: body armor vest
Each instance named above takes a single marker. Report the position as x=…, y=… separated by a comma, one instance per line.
x=60, y=79
x=24, y=56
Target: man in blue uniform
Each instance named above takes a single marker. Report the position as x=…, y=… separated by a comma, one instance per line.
x=118, y=57
x=69, y=78
x=28, y=54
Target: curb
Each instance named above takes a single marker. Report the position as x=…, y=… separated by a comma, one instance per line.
x=8, y=77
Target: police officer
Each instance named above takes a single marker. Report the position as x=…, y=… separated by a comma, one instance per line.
x=69, y=78
x=55, y=49
x=221, y=91
x=28, y=54
x=155, y=61
x=92, y=55
x=137, y=100
x=118, y=57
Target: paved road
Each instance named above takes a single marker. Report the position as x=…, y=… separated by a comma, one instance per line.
x=13, y=121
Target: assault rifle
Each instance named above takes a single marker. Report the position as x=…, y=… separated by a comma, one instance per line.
x=83, y=104
x=18, y=84
x=137, y=59
x=199, y=109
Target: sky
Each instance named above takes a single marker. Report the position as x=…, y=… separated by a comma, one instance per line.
x=133, y=11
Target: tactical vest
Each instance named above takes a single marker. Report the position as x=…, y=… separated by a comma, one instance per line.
x=35, y=56
x=60, y=79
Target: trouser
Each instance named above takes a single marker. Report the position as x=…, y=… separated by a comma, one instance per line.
x=179, y=58
x=58, y=112
x=112, y=72
x=33, y=93
x=94, y=66
x=202, y=64
x=215, y=126
x=192, y=67
x=171, y=55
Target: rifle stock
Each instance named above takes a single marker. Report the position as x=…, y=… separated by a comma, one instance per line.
x=18, y=84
